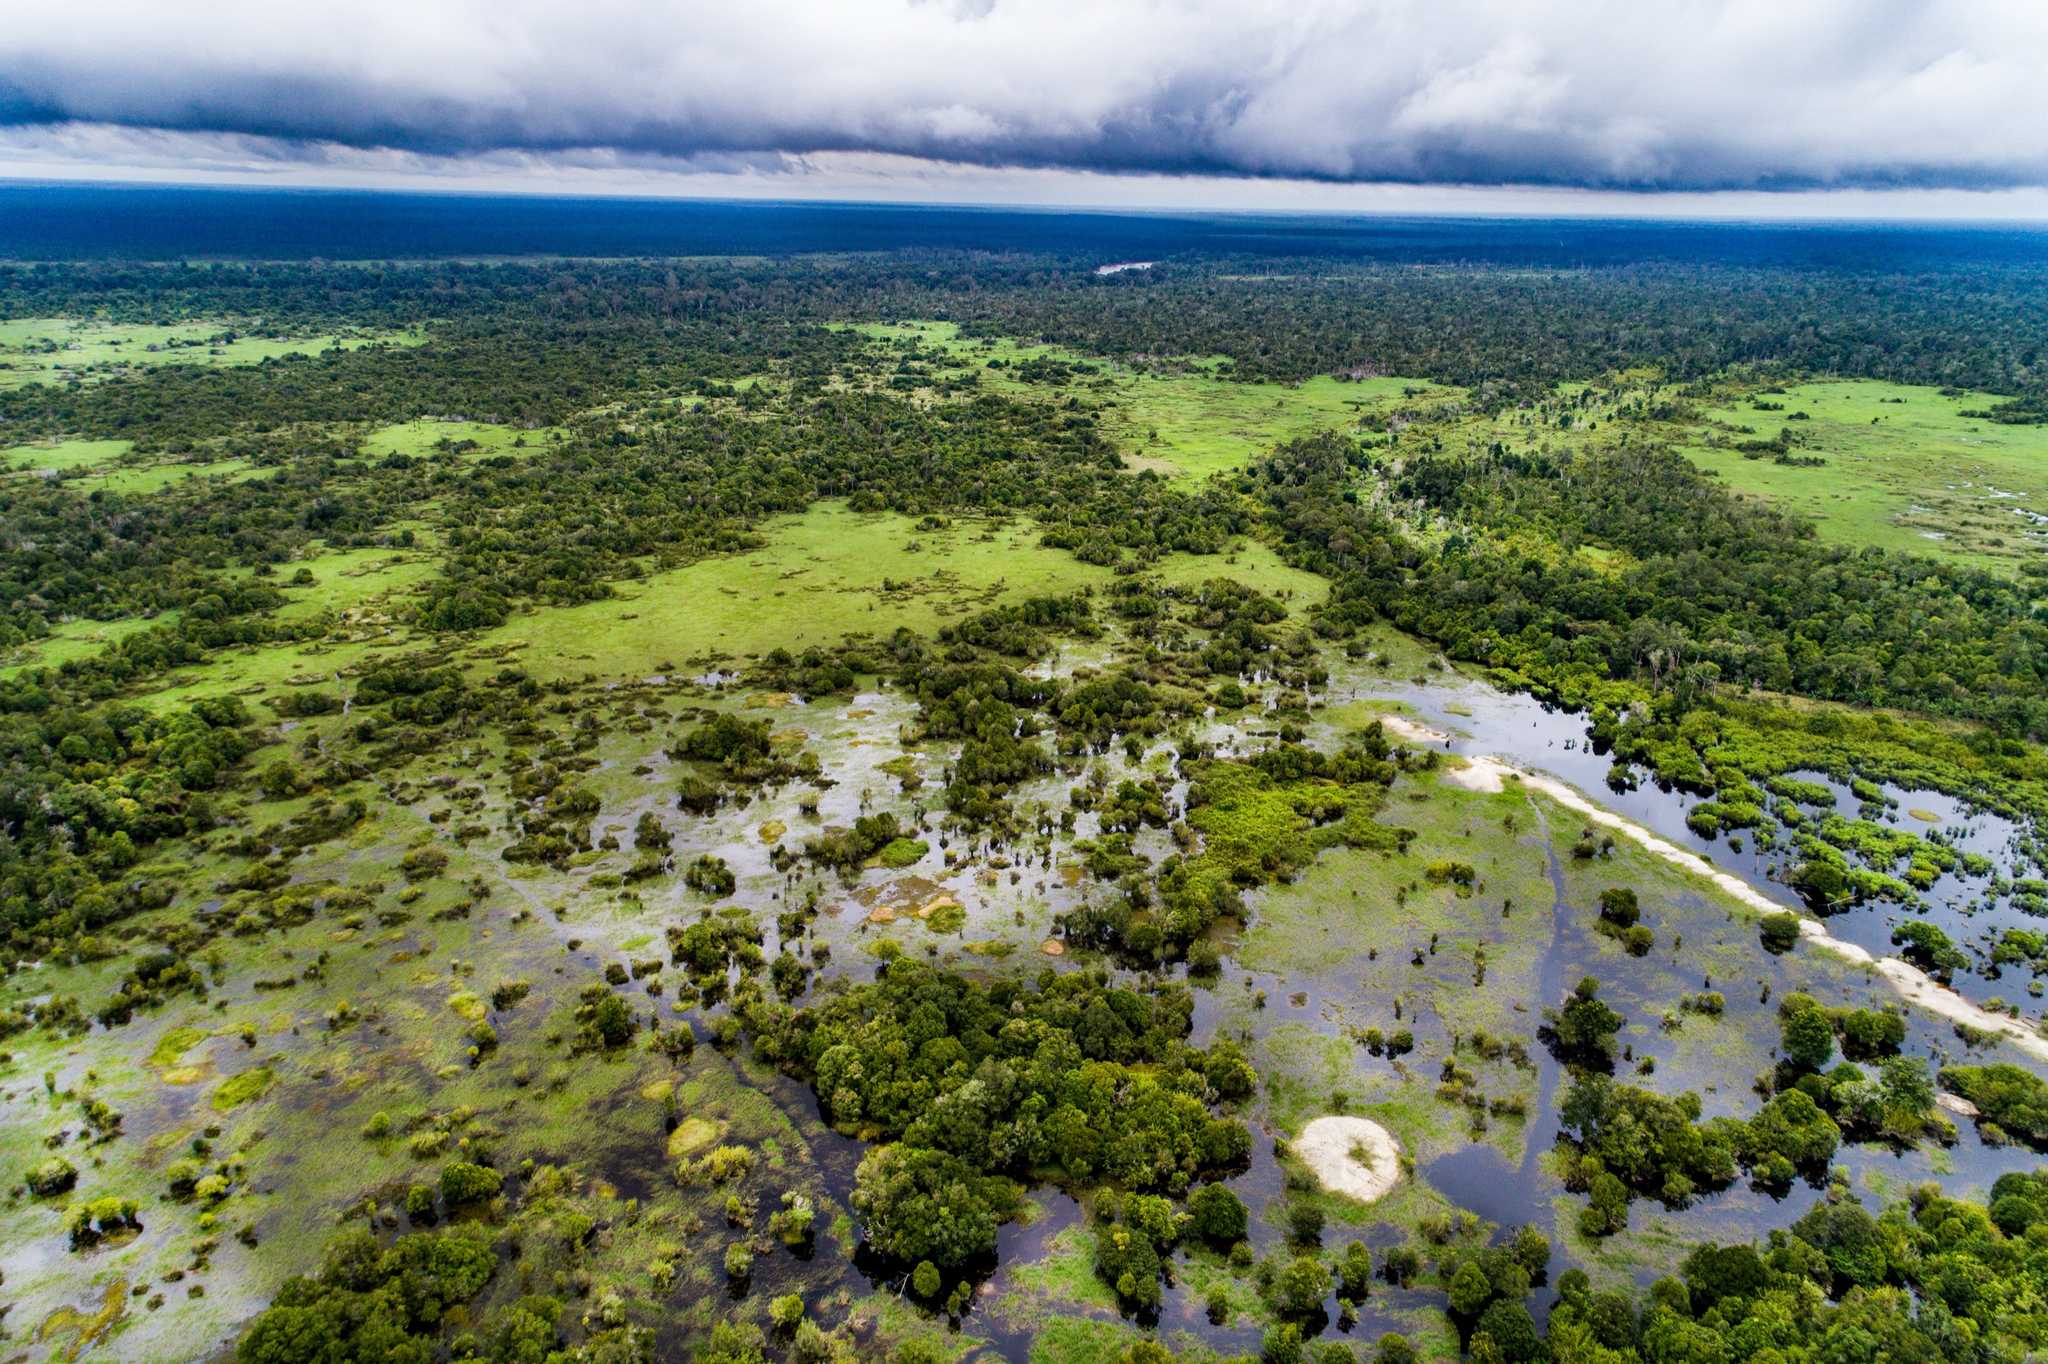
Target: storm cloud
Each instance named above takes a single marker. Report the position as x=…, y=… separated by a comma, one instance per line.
x=1648, y=94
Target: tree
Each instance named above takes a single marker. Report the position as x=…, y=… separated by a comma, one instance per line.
x=1513, y=1331
x=1582, y=1032
x=1619, y=908
x=1531, y=1250
x=53, y=1175
x=1219, y=1215
x=1927, y=947
x=1393, y=1349
x=1870, y=1033
x=1354, y=1272
x=1807, y=1038
x=1281, y=1344
x=1904, y=1082
x=921, y=1204
x=733, y=1343
x=1301, y=1286
x=1606, y=1210
x=1787, y=1134
x=1779, y=931
x=1470, y=1291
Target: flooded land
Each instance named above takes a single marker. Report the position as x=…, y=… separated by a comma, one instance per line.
x=745, y=810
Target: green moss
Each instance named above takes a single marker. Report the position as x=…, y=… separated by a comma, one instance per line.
x=244, y=1088
x=901, y=852
x=172, y=1046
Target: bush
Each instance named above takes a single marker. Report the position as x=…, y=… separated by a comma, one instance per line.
x=2007, y=1095
x=1219, y=1215
x=1301, y=1286
x=463, y=1182
x=1807, y=1038
x=53, y=1175
x=1779, y=931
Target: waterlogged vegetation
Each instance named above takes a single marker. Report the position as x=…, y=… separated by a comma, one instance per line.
x=665, y=811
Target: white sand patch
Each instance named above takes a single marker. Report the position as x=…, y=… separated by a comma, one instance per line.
x=1401, y=727
x=1325, y=1146
x=1912, y=984
x=1480, y=774
x=1956, y=1104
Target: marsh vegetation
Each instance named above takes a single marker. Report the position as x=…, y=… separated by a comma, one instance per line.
x=918, y=808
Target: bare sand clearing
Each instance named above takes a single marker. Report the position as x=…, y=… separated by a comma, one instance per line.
x=1956, y=1104
x=1912, y=984
x=1479, y=774
x=1401, y=727
x=1325, y=1146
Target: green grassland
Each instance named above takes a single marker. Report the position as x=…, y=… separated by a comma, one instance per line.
x=476, y=440
x=1182, y=418
x=1905, y=469
x=111, y=466
x=830, y=573
x=72, y=640
x=63, y=455
x=48, y=350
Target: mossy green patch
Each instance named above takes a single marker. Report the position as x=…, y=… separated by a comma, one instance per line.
x=63, y=349
x=692, y=1135
x=58, y=456
x=901, y=852
x=829, y=573
x=172, y=1046
x=244, y=1088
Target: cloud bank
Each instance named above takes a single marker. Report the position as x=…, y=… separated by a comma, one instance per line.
x=1599, y=94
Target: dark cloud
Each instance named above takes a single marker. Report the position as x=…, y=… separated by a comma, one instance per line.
x=1651, y=94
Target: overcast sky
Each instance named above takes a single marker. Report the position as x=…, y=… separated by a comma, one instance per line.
x=1740, y=106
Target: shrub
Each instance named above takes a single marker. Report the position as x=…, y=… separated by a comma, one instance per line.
x=463, y=1182
x=1779, y=931
x=53, y=1175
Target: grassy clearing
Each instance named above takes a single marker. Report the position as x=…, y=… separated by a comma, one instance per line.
x=1905, y=469
x=1191, y=423
x=74, y=639
x=473, y=440
x=59, y=456
x=111, y=466
x=1062, y=1280
x=1360, y=917
x=142, y=479
x=52, y=350
x=347, y=580
x=829, y=573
